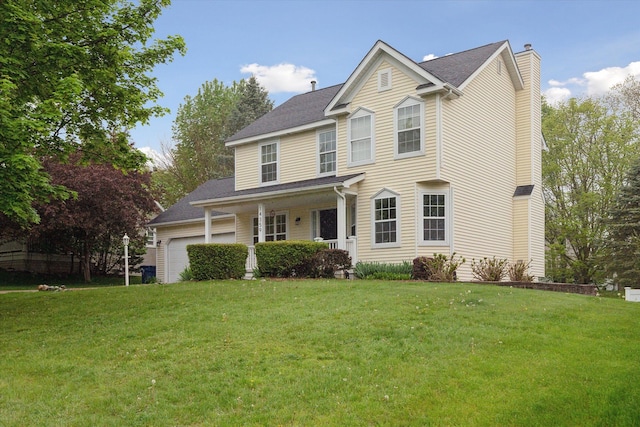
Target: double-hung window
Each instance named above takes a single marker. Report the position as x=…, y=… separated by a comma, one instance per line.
x=361, y=137
x=409, y=128
x=275, y=228
x=435, y=218
x=386, y=216
x=326, y=152
x=269, y=163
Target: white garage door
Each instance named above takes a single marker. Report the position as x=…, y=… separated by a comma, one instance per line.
x=177, y=258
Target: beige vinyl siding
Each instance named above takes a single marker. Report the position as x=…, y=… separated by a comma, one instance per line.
x=298, y=155
x=478, y=160
x=529, y=156
x=247, y=168
x=166, y=233
x=521, y=229
x=397, y=175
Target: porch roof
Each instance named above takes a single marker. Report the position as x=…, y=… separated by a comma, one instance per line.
x=221, y=199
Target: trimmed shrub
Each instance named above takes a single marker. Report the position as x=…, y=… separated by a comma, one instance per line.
x=217, y=260
x=327, y=262
x=420, y=268
x=489, y=270
x=369, y=270
x=443, y=269
x=519, y=272
x=287, y=258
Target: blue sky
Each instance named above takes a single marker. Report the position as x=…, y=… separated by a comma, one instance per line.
x=586, y=46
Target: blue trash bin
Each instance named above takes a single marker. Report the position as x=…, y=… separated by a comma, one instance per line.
x=148, y=272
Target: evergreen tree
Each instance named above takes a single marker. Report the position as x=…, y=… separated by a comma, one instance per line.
x=623, y=241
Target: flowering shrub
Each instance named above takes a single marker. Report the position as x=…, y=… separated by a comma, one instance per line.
x=326, y=262
x=489, y=270
x=443, y=269
x=519, y=272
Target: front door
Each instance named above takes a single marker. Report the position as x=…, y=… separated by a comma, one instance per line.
x=326, y=224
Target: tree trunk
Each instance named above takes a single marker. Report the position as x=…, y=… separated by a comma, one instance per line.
x=86, y=263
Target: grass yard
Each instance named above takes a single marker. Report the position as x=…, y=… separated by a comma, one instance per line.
x=318, y=353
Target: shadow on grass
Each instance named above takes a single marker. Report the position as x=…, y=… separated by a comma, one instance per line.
x=19, y=280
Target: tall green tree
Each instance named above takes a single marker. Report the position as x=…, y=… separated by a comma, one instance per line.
x=622, y=243
x=589, y=150
x=203, y=122
x=71, y=74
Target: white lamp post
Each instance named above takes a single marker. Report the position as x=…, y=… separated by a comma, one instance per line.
x=125, y=240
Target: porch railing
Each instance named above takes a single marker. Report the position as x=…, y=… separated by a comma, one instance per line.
x=352, y=248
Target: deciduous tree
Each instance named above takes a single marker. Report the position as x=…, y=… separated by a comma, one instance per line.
x=589, y=150
x=70, y=73
x=202, y=124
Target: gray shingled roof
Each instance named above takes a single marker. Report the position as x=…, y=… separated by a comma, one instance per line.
x=298, y=111
x=224, y=188
x=458, y=67
x=183, y=211
x=309, y=107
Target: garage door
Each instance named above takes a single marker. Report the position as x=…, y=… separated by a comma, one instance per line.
x=177, y=258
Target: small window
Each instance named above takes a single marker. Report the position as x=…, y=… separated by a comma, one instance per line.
x=384, y=79
x=361, y=140
x=409, y=119
x=435, y=218
x=151, y=238
x=386, y=214
x=327, y=152
x=269, y=163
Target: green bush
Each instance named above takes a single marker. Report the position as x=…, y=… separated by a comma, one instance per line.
x=489, y=270
x=368, y=270
x=186, y=275
x=287, y=258
x=217, y=260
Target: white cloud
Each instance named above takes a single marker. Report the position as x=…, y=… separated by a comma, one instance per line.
x=556, y=95
x=156, y=159
x=282, y=77
x=592, y=83
x=429, y=57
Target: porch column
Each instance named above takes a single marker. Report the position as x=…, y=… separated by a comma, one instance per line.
x=341, y=206
x=207, y=225
x=261, y=224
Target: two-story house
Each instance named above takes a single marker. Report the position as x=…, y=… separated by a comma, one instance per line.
x=404, y=159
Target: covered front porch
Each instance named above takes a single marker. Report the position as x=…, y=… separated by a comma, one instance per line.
x=323, y=208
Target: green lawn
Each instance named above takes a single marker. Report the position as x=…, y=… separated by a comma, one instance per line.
x=318, y=353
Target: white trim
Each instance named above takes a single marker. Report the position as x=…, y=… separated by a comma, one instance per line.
x=438, y=135
x=335, y=151
x=190, y=221
x=372, y=59
x=386, y=193
x=275, y=142
x=448, y=217
x=408, y=102
x=279, y=133
x=362, y=112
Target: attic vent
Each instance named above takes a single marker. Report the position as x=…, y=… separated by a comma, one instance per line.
x=499, y=67
x=384, y=80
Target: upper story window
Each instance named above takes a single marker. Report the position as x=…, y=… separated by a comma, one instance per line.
x=361, y=137
x=269, y=163
x=409, y=128
x=326, y=152
x=386, y=217
x=435, y=218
